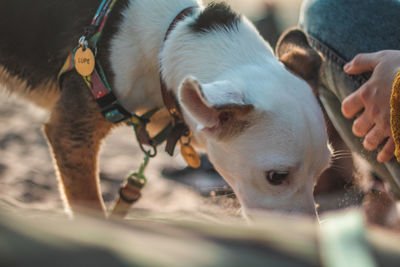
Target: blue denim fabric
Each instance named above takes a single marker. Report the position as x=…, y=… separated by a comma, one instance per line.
x=353, y=26
x=340, y=29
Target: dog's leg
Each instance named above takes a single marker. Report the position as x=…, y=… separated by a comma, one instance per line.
x=74, y=132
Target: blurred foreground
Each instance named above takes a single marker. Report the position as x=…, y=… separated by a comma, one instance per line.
x=342, y=240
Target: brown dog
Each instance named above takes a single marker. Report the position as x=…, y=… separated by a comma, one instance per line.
x=295, y=51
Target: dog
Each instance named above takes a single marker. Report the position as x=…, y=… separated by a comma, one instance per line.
x=260, y=124
x=379, y=203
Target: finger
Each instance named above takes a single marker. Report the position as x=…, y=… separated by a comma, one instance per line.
x=362, y=63
x=374, y=138
x=352, y=105
x=362, y=125
x=387, y=151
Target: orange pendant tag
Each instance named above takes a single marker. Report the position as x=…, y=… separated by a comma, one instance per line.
x=190, y=156
x=84, y=61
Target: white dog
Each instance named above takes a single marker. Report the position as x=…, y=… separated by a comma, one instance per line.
x=260, y=125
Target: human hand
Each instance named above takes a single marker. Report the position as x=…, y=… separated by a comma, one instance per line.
x=373, y=99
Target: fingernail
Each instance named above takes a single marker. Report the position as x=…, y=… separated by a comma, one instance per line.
x=383, y=158
x=380, y=159
x=346, y=67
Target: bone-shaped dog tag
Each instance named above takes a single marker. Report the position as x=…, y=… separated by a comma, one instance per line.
x=84, y=61
x=190, y=156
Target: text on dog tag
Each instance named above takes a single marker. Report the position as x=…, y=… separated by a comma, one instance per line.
x=84, y=61
x=190, y=156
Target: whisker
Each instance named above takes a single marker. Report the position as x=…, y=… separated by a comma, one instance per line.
x=223, y=196
x=341, y=157
x=341, y=152
x=215, y=188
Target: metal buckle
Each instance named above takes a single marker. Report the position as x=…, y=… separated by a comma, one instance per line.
x=115, y=113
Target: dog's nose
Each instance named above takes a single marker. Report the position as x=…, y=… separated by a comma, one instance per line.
x=310, y=212
x=260, y=214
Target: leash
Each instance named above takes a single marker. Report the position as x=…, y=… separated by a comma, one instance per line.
x=180, y=130
x=83, y=58
x=130, y=192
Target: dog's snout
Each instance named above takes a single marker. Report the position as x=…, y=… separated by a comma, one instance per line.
x=310, y=212
x=260, y=215
x=254, y=214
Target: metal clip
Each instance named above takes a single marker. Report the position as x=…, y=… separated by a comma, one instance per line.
x=152, y=152
x=188, y=136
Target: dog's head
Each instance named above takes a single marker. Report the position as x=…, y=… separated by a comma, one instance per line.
x=263, y=129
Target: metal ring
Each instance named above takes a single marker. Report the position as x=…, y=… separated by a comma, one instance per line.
x=83, y=42
x=151, y=153
x=189, y=138
x=125, y=199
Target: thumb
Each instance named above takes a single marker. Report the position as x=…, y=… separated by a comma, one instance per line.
x=362, y=63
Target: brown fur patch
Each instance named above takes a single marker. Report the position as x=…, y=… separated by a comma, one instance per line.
x=234, y=120
x=295, y=52
x=302, y=63
x=75, y=131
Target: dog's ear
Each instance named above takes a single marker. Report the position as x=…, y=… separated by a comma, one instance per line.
x=214, y=106
x=293, y=50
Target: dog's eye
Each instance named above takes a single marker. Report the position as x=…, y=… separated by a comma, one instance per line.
x=276, y=177
x=225, y=116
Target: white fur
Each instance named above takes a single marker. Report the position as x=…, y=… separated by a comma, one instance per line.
x=136, y=49
x=228, y=67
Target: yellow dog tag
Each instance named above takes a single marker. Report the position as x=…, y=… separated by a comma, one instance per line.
x=190, y=156
x=84, y=61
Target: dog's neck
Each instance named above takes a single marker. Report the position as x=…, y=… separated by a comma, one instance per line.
x=135, y=51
